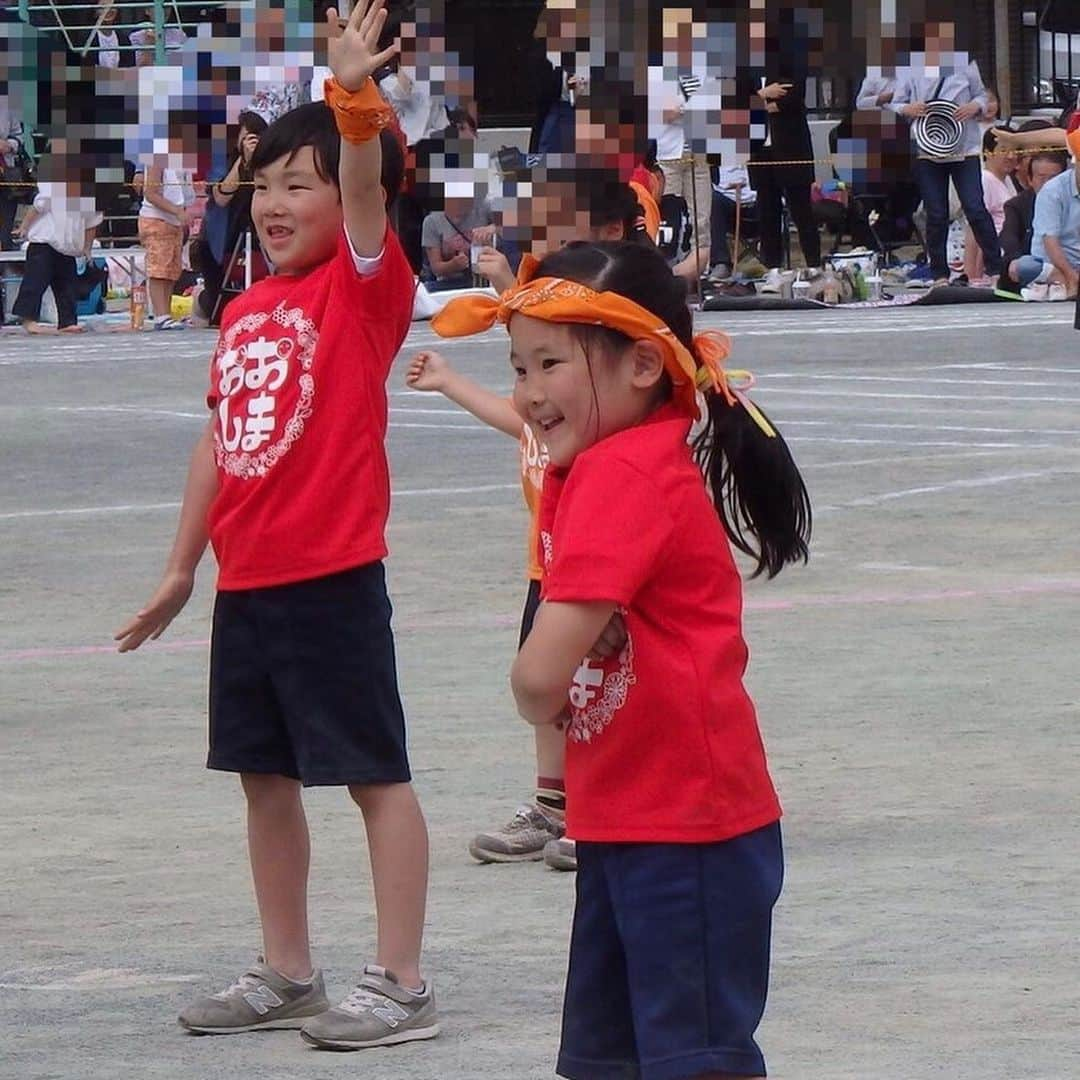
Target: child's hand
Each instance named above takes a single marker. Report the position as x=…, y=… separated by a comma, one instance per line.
x=171, y=596
x=352, y=48
x=495, y=266
x=611, y=640
x=428, y=371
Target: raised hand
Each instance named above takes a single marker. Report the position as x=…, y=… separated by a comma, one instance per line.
x=352, y=47
x=427, y=371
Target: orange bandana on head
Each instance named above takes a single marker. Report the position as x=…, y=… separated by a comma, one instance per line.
x=558, y=300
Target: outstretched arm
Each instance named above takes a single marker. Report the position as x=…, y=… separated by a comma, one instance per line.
x=353, y=58
x=431, y=371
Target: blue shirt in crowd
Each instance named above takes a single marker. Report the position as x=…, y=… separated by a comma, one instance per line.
x=1057, y=214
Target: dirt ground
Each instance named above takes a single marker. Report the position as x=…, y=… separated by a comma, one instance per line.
x=917, y=688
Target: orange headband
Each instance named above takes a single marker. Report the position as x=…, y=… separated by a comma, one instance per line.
x=560, y=301
x=1073, y=140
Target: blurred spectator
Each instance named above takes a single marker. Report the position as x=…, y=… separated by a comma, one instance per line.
x=145, y=38
x=672, y=89
x=1017, y=231
x=558, y=27
x=991, y=113
x=958, y=81
x=408, y=89
x=731, y=187
x=1055, y=244
x=108, y=40
x=168, y=193
x=11, y=145
x=998, y=186
x=228, y=216
x=59, y=227
x=448, y=237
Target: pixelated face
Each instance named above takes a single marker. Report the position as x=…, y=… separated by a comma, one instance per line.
x=297, y=213
x=1041, y=171
x=571, y=399
x=110, y=14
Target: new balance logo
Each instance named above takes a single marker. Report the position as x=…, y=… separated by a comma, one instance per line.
x=263, y=999
x=390, y=1013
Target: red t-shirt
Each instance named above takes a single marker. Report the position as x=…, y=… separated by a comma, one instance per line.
x=663, y=744
x=298, y=385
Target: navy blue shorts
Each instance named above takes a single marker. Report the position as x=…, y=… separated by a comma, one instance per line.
x=669, y=958
x=303, y=682
x=528, y=613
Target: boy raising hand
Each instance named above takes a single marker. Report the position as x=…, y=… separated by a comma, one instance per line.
x=289, y=483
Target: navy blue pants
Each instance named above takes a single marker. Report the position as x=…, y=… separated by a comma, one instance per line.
x=933, y=179
x=669, y=958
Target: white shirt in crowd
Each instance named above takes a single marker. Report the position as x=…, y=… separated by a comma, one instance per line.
x=64, y=219
x=108, y=48
x=996, y=193
x=873, y=85
x=419, y=113
x=960, y=82
x=176, y=186
x=665, y=93
x=727, y=181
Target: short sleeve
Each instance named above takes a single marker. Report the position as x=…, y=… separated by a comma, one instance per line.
x=610, y=530
x=429, y=233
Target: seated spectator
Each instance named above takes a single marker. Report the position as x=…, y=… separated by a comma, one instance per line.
x=1017, y=230
x=999, y=186
x=145, y=38
x=732, y=185
x=108, y=41
x=59, y=227
x=1055, y=245
x=675, y=234
x=448, y=237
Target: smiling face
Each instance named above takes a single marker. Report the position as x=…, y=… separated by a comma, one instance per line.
x=297, y=213
x=572, y=399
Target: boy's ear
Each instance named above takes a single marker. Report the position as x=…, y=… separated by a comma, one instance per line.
x=648, y=364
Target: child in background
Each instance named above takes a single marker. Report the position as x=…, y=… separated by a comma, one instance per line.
x=59, y=228
x=290, y=484
x=668, y=791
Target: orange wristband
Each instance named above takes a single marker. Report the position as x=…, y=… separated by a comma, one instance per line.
x=360, y=114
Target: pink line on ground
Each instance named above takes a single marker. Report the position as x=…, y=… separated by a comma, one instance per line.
x=1061, y=587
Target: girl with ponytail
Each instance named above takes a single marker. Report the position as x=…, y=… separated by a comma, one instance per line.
x=668, y=792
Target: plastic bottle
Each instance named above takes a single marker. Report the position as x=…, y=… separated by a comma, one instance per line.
x=138, y=306
x=858, y=283
x=830, y=293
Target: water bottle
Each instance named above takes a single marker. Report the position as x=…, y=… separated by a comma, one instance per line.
x=831, y=288
x=138, y=306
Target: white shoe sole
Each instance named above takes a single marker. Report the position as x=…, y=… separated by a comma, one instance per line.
x=412, y=1035
x=483, y=855
x=285, y=1024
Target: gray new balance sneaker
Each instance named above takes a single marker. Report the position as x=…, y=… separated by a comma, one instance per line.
x=260, y=998
x=379, y=1012
x=522, y=839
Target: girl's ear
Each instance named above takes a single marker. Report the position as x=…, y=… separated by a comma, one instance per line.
x=648, y=364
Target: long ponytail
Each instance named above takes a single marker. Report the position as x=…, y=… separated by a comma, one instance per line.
x=756, y=486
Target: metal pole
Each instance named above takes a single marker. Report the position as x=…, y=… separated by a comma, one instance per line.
x=1002, y=56
x=247, y=259
x=159, y=32
x=697, y=239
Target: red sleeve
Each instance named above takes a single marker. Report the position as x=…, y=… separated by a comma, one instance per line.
x=610, y=529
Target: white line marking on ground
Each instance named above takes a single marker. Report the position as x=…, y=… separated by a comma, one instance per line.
x=104, y=979
x=936, y=381
x=900, y=567
x=128, y=508
x=933, y=427
x=949, y=485
x=794, y=439
x=1016, y=398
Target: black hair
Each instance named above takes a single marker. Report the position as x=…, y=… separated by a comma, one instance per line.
x=1055, y=157
x=756, y=487
x=608, y=199
x=313, y=125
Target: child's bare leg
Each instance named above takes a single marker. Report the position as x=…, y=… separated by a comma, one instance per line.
x=398, y=846
x=160, y=290
x=280, y=853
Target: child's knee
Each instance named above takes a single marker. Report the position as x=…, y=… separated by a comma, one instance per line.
x=269, y=790
x=374, y=797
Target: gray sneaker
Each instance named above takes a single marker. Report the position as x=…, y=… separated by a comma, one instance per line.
x=260, y=998
x=522, y=839
x=379, y=1012
x=561, y=854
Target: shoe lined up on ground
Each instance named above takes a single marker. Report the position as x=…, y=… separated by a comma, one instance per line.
x=521, y=839
x=379, y=1012
x=1043, y=292
x=261, y=999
